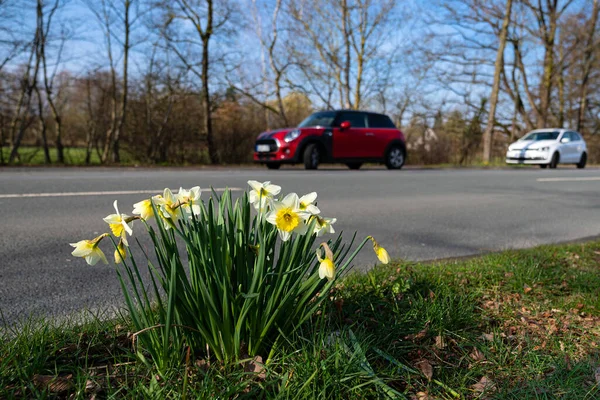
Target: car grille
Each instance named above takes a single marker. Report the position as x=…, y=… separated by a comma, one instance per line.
x=271, y=142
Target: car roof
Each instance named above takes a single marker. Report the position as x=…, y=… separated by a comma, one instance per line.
x=353, y=111
x=561, y=130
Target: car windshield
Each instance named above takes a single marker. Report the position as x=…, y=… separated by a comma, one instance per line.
x=319, y=119
x=543, y=135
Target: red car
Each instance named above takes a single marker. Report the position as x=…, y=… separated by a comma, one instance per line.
x=349, y=137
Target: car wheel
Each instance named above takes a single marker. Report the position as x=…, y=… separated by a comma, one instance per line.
x=582, y=161
x=394, y=159
x=354, y=165
x=543, y=166
x=273, y=165
x=312, y=156
x=555, y=160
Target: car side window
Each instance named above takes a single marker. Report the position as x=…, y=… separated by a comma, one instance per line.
x=566, y=135
x=380, y=121
x=356, y=119
x=575, y=137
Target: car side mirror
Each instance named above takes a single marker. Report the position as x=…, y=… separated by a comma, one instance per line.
x=345, y=125
x=564, y=140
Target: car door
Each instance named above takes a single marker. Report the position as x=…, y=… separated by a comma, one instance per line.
x=577, y=145
x=565, y=148
x=349, y=143
x=571, y=147
x=380, y=132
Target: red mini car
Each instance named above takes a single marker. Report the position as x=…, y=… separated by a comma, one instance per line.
x=349, y=137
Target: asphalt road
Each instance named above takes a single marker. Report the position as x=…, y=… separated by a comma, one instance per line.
x=415, y=214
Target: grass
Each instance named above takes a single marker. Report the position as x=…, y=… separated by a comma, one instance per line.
x=31, y=155
x=514, y=325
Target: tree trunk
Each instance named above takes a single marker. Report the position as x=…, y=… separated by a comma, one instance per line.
x=212, y=149
x=587, y=67
x=43, y=129
x=487, y=135
x=23, y=102
x=549, y=36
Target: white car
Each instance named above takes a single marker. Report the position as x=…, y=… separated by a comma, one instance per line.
x=548, y=147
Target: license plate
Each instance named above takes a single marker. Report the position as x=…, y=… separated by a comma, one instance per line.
x=263, y=148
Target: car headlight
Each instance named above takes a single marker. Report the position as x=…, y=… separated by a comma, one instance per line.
x=544, y=149
x=292, y=135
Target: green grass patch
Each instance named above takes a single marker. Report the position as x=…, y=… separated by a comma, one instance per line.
x=514, y=325
x=31, y=155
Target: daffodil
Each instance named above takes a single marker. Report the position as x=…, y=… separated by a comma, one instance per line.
x=119, y=223
x=89, y=250
x=306, y=203
x=144, y=209
x=190, y=200
x=324, y=225
x=326, y=266
x=120, y=252
x=287, y=216
x=169, y=208
x=262, y=193
x=381, y=253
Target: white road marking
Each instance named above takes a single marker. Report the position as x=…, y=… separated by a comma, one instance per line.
x=581, y=179
x=109, y=193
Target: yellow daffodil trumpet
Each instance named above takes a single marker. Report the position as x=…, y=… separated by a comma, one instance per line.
x=287, y=216
x=120, y=224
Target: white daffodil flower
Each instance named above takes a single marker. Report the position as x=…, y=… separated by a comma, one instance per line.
x=89, y=250
x=324, y=225
x=306, y=203
x=287, y=216
x=119, y=223
x=144, y=209
x=190, y=200
x=169, y=208
x=262, y=193
x=326, y=266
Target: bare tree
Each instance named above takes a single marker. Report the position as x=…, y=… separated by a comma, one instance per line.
x=498, y=68
x=591, y=43
x=19, y=122
x=44, y=24
x=207, y=18
x=112, y=14
x=340, y=44
x=278, y=61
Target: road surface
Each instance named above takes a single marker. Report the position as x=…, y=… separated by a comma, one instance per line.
x=415, y=214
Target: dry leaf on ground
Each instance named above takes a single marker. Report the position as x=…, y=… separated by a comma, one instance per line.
x=426, y=368
x=439, y=342
x=488, y=337
x=477, y=355
x=485, y=384
x=256, y=366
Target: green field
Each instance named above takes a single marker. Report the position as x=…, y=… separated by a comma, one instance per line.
x=73, y=156
x=512, y=325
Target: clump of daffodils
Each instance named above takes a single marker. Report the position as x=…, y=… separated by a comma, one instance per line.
x=253, y=270
x=290, y=215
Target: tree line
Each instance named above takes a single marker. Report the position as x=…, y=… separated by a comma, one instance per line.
x=194, y=81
